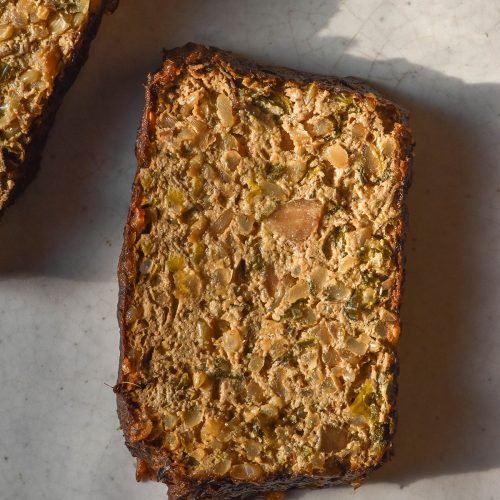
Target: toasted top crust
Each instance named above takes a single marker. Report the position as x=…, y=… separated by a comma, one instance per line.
x=42, y=45
x=260, y=278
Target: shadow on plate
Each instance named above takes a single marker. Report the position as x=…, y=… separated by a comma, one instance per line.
x=68, y=224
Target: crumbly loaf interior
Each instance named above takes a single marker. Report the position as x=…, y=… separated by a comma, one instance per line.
x=262, y=325
x=37, y=38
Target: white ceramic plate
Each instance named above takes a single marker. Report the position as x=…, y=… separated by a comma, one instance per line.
x=60, y=243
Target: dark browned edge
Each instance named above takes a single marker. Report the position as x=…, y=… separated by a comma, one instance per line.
x=39, y=130
x=151, y=461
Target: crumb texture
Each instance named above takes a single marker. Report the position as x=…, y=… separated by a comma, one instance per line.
x=260, y=310
x=38, y=40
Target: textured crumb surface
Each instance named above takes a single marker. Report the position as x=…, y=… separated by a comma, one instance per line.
x=261, y=278
x=39, y=41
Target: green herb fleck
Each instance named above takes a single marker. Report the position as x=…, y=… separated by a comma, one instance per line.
x=257, y=261
x=306, y=452
x=257, y=429
x=337, y=239
x=388, y=174
x=381, y=432
x=333, y=208
x=222, y=368
x=353, y=306
x=275, y=102
x=184, y=381
x=306, y=343
x=363, y=176
x=274, y=172
x=295, y=311
x=371, y=279
x=4, y=72
x=382, y=247
x=345, y=99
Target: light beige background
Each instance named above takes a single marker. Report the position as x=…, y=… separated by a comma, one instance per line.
x=60, y=243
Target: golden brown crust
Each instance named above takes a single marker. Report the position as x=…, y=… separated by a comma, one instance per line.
x=181, y=486
x=25, y=171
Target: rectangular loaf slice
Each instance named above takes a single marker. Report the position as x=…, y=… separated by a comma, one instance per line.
x=260, y=278
x=43, y=44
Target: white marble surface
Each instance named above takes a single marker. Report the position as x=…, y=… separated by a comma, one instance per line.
x=59, y=245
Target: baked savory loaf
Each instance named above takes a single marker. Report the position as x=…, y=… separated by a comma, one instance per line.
x=260, y=278
x=43, y=44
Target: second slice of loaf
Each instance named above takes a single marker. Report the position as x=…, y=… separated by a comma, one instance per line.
x=43, y=45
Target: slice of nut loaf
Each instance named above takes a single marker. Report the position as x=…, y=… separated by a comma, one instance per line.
x=43, y=44
x=260, y=278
